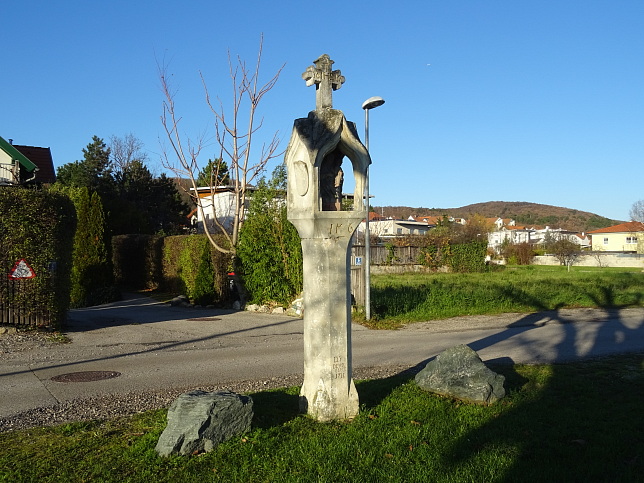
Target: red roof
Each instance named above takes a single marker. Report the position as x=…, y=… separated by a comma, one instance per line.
x=430, y=220
x=628, y=227
x=41, y=157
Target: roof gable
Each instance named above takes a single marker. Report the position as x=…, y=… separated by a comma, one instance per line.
x=16, y=155
x=628, y=227
x=41, y=157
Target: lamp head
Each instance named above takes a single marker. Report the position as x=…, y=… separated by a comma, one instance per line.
x=373, y=102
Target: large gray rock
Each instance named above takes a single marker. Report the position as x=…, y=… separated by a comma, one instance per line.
x=459, y=372
x=198, y=421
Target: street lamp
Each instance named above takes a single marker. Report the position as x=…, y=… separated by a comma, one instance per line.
x=367, y=105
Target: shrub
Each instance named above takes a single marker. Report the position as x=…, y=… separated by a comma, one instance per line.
x=458, y=257
x=270, y=250
x=519, y=254
x=92, y=280
x=467, y=257
x=187, y=271
x=204, y=287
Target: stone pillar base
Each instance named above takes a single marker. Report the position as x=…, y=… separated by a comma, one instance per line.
x=329, y=403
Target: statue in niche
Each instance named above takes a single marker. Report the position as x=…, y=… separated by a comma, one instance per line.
x=331, y=180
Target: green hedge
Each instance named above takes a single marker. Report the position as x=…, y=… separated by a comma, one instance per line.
x=467, y=257
x=458, y=257
x=36, y=225
x=183, y=264
x=193, y=267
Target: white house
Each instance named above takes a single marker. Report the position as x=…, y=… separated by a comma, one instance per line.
x=510, y=234
x=220, y=204
x=390, y=228
x=517, y=234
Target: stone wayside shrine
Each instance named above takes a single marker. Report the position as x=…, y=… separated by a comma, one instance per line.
x=313, y=159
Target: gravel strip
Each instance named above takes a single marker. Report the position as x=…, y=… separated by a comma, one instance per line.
x=28, y=340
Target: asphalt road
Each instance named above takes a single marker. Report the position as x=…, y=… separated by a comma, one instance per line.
x=156, y=346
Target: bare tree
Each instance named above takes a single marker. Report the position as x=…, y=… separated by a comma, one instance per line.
x=126, y=149
x=234, y=133
x=637, y=211
x=599, y=256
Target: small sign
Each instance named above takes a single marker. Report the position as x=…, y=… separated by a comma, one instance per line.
x=358, y=261
x=22, y=270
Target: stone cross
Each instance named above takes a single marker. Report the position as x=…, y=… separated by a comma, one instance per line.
x=326, y=81
x=313, y=160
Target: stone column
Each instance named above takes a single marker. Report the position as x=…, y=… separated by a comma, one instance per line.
x=328, y=391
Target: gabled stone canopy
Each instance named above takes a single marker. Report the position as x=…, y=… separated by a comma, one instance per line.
x=322, y=133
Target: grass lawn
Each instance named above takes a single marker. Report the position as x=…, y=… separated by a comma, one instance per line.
x=561, y=423
x=414, y=297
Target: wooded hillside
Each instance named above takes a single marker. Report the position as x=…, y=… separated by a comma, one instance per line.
x=524, y=213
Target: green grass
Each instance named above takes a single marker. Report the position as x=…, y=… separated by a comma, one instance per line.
x=413, y=297
x=574, y=422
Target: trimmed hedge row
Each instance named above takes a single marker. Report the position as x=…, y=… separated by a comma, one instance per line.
x=36, y=225
x=183, y=264
x=458, y=257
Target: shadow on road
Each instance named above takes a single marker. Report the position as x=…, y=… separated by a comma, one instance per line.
x=133, y=309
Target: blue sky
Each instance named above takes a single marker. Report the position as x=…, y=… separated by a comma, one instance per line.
x=485, y=100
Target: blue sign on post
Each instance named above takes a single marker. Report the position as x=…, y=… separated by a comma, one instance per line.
x=358, y=261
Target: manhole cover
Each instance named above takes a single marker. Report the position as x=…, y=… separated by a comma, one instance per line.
x=86, y=376
x=203, y=319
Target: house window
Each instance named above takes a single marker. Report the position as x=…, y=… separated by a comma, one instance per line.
x=631, y=240
x=399, y=231
x=605, y=240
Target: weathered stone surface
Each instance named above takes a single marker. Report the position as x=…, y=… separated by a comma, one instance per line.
x=459, y=372
x=199, y=420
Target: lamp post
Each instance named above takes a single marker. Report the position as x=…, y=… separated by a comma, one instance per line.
x=367, y=105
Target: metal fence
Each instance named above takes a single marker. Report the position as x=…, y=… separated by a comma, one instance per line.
x=17, y=307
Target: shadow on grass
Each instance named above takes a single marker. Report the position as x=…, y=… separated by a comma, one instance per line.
x=505, y=366
x=372, y=392
x=581, y=421
x=439, y=294
x=274, y=408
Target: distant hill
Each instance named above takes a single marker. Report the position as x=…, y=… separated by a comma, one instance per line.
x=523, y=213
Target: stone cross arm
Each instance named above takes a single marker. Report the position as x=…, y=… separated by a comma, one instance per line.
x=326, y=81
